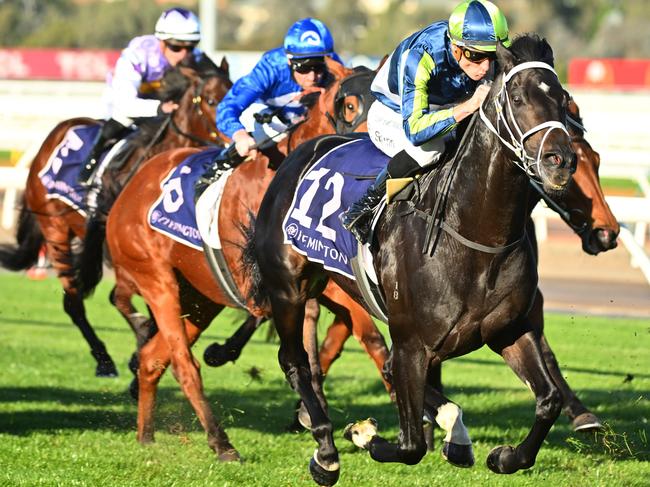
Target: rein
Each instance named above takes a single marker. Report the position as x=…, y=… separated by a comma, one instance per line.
x=435, y=222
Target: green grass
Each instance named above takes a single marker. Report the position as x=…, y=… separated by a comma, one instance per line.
x=59, y=425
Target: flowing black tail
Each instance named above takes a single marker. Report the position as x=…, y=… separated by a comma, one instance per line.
x=89, y=265
x=257, y=291
x=29, y=240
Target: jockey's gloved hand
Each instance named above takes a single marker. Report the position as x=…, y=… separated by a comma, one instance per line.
x=244, y=143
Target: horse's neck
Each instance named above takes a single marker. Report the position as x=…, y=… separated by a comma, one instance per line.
x=488, y=200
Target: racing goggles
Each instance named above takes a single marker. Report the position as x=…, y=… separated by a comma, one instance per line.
x=180, y=47
x=307, y=65
x=477, y=56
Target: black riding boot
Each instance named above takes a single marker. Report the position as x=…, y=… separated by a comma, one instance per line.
x=358, y=217
x=112, y=129
x=227, y=159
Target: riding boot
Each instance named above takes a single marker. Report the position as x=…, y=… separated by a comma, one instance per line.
x=358, y=217
x=227, y=159
x=112, y=129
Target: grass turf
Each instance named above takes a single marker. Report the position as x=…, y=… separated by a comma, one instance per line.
x=59, y=425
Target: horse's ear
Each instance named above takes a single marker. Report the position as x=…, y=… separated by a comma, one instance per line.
x=505, y=58
x=547, y=52
x=381, y=63
x=225, y=67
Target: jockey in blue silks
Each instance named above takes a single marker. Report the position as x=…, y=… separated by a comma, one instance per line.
x=276, y=82
x=420, y=91
x=137, y=74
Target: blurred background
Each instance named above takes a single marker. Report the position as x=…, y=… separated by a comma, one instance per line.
x=55, y=55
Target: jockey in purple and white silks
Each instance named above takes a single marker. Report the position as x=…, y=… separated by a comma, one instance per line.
x=420, y=91
x=274, y=87
x=137, y=75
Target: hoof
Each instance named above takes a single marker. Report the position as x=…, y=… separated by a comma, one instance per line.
x=361, y=432
x=458, y=455
x=106, y=369
x=216, y=355
x=586, y=422
x=134, y=389
x=502, y=459
x=321, y=475
x=231, y=455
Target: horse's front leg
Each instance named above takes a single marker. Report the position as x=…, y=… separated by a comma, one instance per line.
x=288, y=312
x=524, y=356
x=410, y=363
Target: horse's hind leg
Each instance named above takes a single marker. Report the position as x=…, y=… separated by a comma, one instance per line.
x=216, y=355
x=60, y=253
x=581, y=418
x=525, y=358
x=288, y=305
x=162, y=293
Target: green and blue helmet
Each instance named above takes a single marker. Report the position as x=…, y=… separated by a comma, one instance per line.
x=478, y=24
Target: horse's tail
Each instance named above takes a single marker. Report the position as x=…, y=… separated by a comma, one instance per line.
x=89, y=265
x=29, y=240
x=257, y=292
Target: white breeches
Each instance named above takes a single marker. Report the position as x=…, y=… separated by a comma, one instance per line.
x=386, y=131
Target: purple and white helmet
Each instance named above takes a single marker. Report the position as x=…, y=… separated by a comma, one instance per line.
x=178, y=24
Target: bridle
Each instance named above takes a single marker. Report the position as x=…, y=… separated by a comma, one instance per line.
x=516, y=143
x=358, y=85
x=197, y=106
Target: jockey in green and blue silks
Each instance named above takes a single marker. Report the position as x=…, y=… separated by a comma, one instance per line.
x=429, y=83
x=275, y=84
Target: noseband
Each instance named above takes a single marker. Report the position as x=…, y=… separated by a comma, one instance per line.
x=516, y=144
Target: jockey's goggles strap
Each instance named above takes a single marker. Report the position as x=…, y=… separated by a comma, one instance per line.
x=516, y=144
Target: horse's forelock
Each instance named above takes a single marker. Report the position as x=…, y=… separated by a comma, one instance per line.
x=531, y=47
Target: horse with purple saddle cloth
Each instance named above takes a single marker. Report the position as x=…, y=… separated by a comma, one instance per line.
x=174, y=212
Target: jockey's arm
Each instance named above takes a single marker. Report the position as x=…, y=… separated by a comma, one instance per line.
x=421, y=123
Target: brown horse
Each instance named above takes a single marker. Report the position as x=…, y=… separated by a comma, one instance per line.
x=60, y=226
x=175, y=280
x=586, y=211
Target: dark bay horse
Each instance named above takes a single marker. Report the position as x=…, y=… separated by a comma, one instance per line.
x=586, y=211
x=175, y=280
x=59, y=226
x=476, y=280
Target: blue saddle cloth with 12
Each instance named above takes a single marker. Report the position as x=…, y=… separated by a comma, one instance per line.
x=312, y=225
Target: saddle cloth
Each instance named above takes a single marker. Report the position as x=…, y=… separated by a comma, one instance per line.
x=339, y=178
x=174, y=213
x=60, y=173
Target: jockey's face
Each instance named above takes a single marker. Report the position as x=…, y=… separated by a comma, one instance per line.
x=308, y=73
x=476, y=70
x=175, y=53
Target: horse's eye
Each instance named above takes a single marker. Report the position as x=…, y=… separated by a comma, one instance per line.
x=350, y=106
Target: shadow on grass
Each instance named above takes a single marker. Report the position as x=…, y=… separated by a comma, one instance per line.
x=268, y=409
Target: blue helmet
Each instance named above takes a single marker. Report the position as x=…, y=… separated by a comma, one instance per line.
x=308, y=38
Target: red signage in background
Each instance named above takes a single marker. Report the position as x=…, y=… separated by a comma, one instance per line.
x=613, y=74
x=57, y=64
